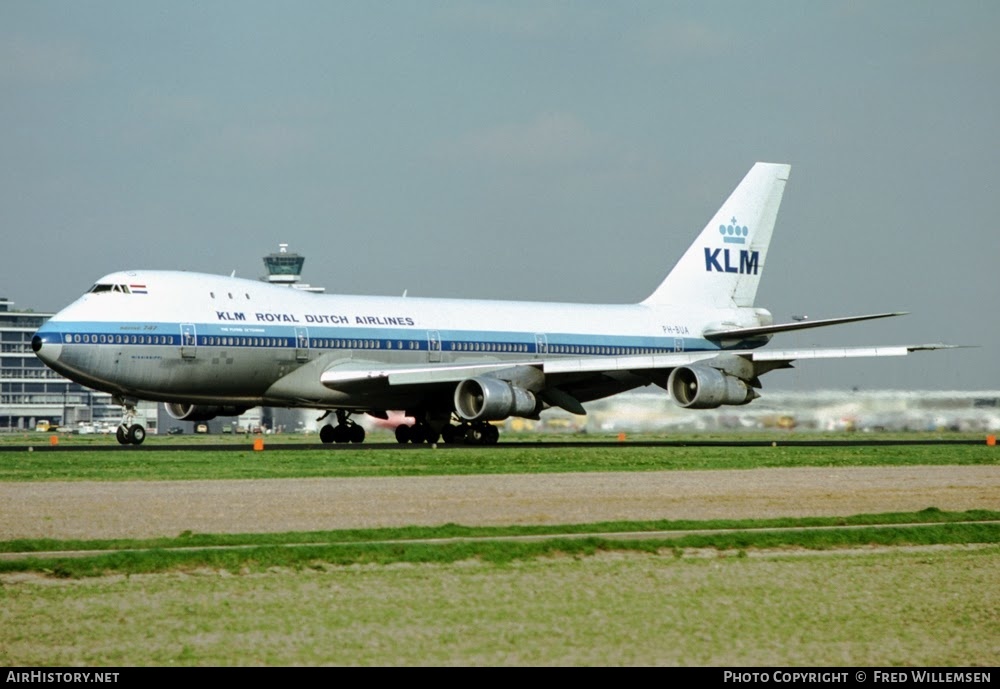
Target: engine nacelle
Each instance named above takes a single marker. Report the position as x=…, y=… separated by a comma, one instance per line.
x=492, y=399
x=703, y=387
x=200, y=412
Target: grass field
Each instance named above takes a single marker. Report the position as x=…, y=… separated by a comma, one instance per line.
x=152, y=464
x=876, y=609
x=870, y=590
x=241, y=553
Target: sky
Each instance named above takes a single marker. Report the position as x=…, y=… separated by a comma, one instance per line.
x=552, y=151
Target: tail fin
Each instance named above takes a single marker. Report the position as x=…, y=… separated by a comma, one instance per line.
x=723, y=266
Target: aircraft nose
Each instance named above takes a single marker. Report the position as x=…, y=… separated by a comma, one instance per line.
x=46, y=347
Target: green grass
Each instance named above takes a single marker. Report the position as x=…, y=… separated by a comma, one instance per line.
x=920, y=609
x=152, y=464
x=747, y=593
x=930, y=515
x=259, y=552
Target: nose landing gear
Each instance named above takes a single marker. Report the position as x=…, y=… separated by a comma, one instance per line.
x=129, y=432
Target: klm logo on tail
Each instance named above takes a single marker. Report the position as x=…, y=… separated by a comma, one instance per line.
x=741, y=262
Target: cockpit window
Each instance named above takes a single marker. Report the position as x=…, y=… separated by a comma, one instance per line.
x=102, y=287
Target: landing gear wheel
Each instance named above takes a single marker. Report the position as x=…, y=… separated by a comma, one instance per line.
x=326, y=434
x=482, y=434
x=128, y=432
x=491, y=434
x=136, y=434
x=402, y=434
x=474, y=435
x=341, y=433
x=357, y=433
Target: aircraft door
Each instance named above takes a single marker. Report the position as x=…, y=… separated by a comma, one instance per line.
x=302, y=344
x=189, y=341
x=433, y=346
x=541, y=344
x=678, y=344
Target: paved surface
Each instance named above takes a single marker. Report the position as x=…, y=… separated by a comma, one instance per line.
x=142, y=509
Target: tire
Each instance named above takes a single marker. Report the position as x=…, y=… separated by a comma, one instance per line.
x=474, y=435
x=122, y=435
x=341, y=433
x=136, y=434
x=491, y=434
x=357, y=434
x=402, y=434
x=449, y=434
x=326, y=434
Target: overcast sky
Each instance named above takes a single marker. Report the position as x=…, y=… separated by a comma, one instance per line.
x=558, y=151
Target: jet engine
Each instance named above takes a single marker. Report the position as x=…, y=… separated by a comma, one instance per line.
x=200, y=412
x=703, y=387
x=492, y=399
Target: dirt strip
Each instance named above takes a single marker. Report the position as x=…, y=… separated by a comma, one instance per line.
x=144, y=509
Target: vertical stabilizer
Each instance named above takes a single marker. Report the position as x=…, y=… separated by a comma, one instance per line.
x=723, y=267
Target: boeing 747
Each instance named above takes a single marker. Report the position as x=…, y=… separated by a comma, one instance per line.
x=208, y=345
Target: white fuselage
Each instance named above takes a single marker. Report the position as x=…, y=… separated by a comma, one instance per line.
x=193, y=338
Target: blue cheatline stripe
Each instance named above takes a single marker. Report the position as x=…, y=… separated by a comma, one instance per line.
x=335, y=338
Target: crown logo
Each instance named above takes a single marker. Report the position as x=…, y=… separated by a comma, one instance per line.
x=733, y=233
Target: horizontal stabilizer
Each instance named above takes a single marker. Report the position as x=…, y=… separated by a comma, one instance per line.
x=744, y=333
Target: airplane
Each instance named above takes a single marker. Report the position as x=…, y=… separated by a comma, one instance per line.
x=208, y=345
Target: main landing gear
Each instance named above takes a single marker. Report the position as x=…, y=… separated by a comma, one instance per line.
x=129, y=432
x=478, y=433
x=429, y=428
x=346, y=430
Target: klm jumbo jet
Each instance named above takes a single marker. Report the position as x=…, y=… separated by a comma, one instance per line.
x=209, y=345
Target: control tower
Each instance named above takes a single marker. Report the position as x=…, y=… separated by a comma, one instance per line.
x=284, y=268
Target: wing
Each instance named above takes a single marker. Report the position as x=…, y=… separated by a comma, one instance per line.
x=566, y=381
